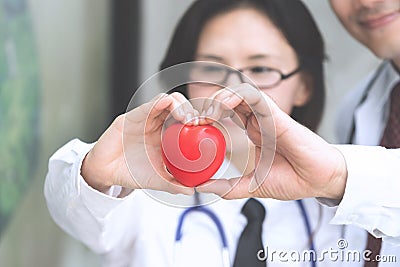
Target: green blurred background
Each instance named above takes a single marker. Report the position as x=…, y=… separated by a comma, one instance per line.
x=19, y=107
x=54, y=85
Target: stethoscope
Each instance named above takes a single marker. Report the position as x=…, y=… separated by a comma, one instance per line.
x=213, y=216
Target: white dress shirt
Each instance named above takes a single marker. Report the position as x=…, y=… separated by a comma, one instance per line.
x=139, y=230
x=371, y=199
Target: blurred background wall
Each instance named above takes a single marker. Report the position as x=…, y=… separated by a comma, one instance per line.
x=92, y=54
x=72, y=46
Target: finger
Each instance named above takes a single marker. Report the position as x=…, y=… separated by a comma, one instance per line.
x=261, y=129
x=238, y=118
x=207, y=108
x=235, y=102
x=255, y=108
x=139, y=114
x=197, y=118
x=230, y=104
x=174, y=105
x=233, y=188
x=183, y=106
x=156, y=178
x=169, y=184
x=207, y=103
x=247, y=99
x=214, y=109
x=174, y=187
x=169, y=106
x=253, y=98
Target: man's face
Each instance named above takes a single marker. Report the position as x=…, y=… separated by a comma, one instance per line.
x=375, y=23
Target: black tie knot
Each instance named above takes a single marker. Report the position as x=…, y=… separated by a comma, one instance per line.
x=254, y=211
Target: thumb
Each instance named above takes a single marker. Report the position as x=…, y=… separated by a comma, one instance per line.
x=233, y=188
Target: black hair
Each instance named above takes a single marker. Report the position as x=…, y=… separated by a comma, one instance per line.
x=291, y=17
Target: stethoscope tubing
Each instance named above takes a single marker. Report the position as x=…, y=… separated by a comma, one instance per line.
x=218, y=224
x=221, y=231
x=213, y=217
x=308, y=227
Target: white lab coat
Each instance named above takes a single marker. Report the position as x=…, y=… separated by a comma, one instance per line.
x=138, y=230
x=371, y=200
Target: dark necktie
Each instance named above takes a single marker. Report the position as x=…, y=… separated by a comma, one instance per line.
x=250, y=240
x=390, y=139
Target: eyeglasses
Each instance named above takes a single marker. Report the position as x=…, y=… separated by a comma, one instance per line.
x=263, y=77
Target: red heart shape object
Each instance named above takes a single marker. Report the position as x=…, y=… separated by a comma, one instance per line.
x=193, y=154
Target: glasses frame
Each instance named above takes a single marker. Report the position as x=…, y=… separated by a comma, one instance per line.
x=241, y=74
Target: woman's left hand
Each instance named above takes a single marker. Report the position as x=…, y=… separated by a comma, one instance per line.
x=292, y=162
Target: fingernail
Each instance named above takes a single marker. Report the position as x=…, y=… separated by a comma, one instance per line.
x=181, y=112
x=254, y=184
x=189, y=117
x=209, y=111
x=226, y=100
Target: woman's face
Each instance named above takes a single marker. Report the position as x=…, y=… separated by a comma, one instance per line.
x=245, y=38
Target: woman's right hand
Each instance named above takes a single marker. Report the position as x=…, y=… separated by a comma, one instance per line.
x=129, y=151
